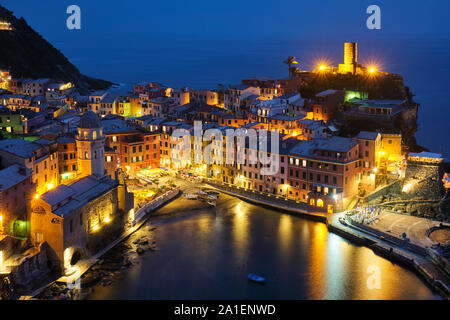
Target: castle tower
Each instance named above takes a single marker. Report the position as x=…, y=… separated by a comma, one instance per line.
x=350, y=53
x=350, y=58
x=90, y=146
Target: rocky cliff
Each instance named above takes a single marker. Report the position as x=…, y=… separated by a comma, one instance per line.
x=27, y=54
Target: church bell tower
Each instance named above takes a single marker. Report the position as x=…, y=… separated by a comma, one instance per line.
x=90, y=146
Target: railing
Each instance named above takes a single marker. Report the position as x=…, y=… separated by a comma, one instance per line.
x=155, y=203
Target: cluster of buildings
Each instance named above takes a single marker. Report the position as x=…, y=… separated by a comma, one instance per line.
x=65, y=156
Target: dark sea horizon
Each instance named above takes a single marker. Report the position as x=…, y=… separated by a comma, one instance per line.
x=203, y=62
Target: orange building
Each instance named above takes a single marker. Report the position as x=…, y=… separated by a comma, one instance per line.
x=67, y=159
x=325, y=173
x=135, y=147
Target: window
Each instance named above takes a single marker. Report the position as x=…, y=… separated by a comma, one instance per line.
x=320, y=203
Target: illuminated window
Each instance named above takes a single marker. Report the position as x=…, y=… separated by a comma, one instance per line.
x=320, y=203
x=94, y=135
x=312, y=202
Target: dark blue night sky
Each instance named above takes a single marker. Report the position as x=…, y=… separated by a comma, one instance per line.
x=316, y=19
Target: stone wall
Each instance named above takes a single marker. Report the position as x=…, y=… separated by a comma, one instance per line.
x=423, y=181
x=34, y=268
x=386, y=191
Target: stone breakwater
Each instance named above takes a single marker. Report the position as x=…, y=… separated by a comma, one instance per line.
x=381, y=243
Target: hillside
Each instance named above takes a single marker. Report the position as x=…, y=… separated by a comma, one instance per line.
x=28, y=55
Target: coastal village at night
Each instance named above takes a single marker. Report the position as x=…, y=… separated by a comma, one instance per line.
x=84, y=165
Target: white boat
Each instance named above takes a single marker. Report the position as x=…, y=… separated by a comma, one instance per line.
x=191, y=196
x=212, y=203
x=255, y=278
x=202, y=192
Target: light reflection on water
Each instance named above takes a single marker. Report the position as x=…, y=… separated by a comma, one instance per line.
x=207, y=254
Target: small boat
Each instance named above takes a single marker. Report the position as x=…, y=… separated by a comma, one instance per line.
x=212, y=203
x=213, y=197
x=191, y=196
x=256, y=278
x=202, y=192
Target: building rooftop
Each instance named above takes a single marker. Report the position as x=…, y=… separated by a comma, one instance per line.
x=110, y=97
x=426, y=155
x=19, y=147
x=13, y=175
x=367, y=135
x=376, y=103
x=63, y=140
x=67, y=199
x=326, y=93
x=240, y=86
x=89, y=120
x=284, y=117
x=336, y=144
x=118, y=125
